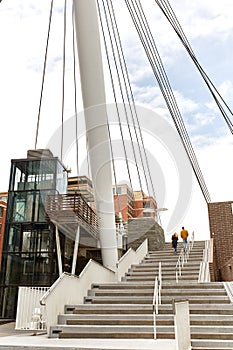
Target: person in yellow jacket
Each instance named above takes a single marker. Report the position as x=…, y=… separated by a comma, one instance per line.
x=184, y=235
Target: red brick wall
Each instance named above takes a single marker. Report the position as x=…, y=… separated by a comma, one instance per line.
x=221, y=230
x=2, y=226
x=227, y=270
x=121, y=203
x=132, y=208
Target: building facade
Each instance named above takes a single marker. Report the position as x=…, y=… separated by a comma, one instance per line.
x=29, y=249
x=133, y=204
x=144, y=206
x=221, y=233
x=123, y=201
x=81, y=185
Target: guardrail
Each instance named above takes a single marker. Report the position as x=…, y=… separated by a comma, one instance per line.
x=183, y=257
x=31, y=315
x=204, y=272
x=157, y=297
x=65, y=208
x=229, y=289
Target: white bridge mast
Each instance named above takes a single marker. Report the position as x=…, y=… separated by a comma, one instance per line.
x=93, y=92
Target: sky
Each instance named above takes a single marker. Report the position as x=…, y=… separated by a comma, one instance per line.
x=208, y=26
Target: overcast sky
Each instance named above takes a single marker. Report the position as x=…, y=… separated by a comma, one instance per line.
x=208, y=25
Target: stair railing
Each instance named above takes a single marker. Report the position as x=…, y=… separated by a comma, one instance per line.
x=204, y=273
x=155, y=305
x=229, y=289
x=183, y=257
x=160, y=282
x=157, y=297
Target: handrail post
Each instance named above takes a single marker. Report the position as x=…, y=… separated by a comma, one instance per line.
x=160, y=282
x=155, y=305
x=58, y=251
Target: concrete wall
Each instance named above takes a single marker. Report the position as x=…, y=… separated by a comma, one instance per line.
x=145, y=228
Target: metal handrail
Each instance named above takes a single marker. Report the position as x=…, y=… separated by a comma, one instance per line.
x=157, y=297
x=160, y=283
x=229, y=289
x=155, y=305
x=204, y=273
x=183, y=257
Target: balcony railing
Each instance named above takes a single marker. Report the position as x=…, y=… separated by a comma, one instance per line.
x=69, y=209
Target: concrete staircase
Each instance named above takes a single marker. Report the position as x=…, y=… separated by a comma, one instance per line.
x=124, y=309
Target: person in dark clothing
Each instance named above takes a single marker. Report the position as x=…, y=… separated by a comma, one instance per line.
x=175, y=241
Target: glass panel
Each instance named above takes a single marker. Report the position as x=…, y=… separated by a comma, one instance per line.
x=118, y=190
x=23, y=206
x=14, y=239
x=146, y=204
x=62, y=179
x=27, y=244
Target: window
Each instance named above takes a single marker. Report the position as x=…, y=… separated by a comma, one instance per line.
x=146, y=204
x=1, y=212
x=118, y=190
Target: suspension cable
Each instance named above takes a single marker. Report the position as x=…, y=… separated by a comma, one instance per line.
x=166, y=8
x=75, y=92
x=133, y=110
x=115, y=52
x=43, y=74
x=180, y=125
x=63, y=80
x=114, y=93
x=117, y=110
x=150, y=48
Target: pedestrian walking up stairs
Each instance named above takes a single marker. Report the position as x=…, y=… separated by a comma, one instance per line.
x=124, y=309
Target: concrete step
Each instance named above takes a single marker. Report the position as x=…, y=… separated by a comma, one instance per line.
x=194, y=285
x=144, y=299
x=124, y=309
x=112, y=318
x=137, y=319
x=155, y=268
x=211, y=344
x=138, y=331
x=111, y=331
x=150, y=292
x=193, y=277
x=172, y=259
x=169, y=251
x=196, y=309
x=164, y=272
x=150, y=284
x=109, y=309
x=125, y=322
x=196, y=292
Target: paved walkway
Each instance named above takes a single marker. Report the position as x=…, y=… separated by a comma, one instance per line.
x=12, y=340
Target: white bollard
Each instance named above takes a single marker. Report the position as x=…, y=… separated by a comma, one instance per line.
x=182, y=324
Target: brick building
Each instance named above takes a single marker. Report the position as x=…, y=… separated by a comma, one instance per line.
x=123, y=201
x=221, y=233
x=144, y=206
x=133, y=204
x=81, y=185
